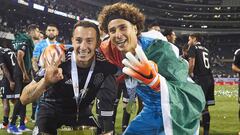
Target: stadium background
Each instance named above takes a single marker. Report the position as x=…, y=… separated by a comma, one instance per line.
x=217, y=20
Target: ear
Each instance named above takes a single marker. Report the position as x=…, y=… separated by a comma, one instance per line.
x=135, y=29
x=57, y=32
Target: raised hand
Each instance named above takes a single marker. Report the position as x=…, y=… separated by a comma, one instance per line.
x=142, y=69
x=53, y=74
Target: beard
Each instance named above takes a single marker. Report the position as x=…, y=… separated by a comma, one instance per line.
x=51, y=37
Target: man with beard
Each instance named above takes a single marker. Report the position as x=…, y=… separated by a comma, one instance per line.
x=51, y=33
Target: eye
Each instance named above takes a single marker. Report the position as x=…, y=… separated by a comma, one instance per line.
x=78, y=40
x=112, y=30
x=89, y=41
x=123, y=27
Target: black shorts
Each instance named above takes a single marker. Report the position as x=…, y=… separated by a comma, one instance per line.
x=50, y=118
x=5, y=91
x=19, y=85
x=123, y=90
x=207, y=84
x=106, y=97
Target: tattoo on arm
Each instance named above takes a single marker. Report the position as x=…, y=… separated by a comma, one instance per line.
x=35, y=64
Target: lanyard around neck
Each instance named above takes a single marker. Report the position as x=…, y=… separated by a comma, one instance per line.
x=74, y=75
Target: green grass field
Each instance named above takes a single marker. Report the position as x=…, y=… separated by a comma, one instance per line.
x=224, y=115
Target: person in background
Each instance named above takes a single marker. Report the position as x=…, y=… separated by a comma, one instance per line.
x=24, y=46
x=200, y=71
x=236, y=68
x=10, y=80
x=51, y=34
x=170, y=35
x=154, y=26
x=185, y=49
x=51, y=38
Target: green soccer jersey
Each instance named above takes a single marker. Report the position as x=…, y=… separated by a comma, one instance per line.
x=24, y=42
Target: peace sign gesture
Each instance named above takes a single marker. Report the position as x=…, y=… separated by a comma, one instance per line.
x=52, y=60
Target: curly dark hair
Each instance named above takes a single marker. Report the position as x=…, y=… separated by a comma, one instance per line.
x=123, y=11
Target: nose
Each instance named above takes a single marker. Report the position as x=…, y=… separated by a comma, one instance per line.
x=118, y=33
x=83, y=45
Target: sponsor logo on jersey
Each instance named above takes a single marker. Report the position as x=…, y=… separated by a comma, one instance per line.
x=68, y=81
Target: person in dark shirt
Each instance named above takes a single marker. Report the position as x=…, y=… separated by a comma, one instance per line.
x=170, y=35
x=70, y=88
x=200, y=71
x=23, y=45
x=236, y=68
x=11, y=80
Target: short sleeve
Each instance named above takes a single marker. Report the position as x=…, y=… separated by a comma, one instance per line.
x=37, y=50
x=21, y=45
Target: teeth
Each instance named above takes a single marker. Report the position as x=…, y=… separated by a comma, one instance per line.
x=83, y=53
x=121, y=43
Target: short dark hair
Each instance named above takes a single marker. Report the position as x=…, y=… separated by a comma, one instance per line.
x=167, y=32
x=152, y=24
x=5, y=43
x=32, y=27
x=52, y=25
x=88, y=24
x=197, y=36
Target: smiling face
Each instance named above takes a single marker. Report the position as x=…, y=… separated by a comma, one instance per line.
x=85, y=43
x=123, y=34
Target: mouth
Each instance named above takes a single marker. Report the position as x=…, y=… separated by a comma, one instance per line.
x=83, y=53
x=51, y=36
x=121, y=44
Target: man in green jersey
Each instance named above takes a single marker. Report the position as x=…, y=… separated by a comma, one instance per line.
x=24, y=46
